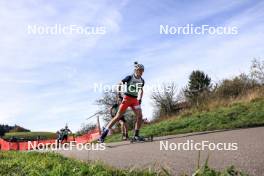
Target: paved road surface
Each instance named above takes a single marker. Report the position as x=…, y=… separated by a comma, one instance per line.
x=249, y=156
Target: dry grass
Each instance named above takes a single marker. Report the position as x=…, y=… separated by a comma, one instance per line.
x=213, y=103
x=247, y=96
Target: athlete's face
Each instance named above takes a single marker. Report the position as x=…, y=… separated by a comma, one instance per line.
x=139, y=72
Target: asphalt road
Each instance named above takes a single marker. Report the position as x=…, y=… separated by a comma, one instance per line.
x=248, y=157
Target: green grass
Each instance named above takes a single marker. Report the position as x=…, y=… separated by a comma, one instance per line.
x=30, y=135
x=205, y=170
x=51, y=164
x=238, y=115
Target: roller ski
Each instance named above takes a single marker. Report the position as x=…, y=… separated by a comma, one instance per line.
x=140, y=139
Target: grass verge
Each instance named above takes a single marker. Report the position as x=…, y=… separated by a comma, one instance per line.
x=51, y=164
x=237, y=115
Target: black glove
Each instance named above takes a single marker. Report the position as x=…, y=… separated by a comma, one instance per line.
x=140, y=101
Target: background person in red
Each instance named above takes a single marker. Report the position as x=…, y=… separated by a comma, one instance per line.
x=132, y=98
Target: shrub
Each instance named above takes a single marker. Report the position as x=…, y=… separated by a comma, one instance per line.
x=232, y=88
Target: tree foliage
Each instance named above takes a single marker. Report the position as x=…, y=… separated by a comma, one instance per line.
x=6, y=128
x=198, y=86
x=105, y=103
x=257, y=70
x=166, y=100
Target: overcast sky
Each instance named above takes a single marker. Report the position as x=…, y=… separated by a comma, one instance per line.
x=47, y=81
